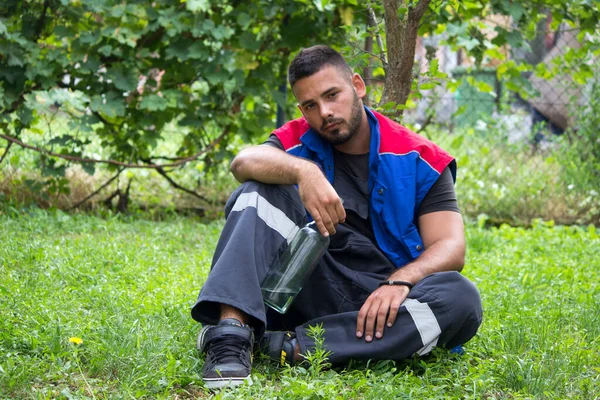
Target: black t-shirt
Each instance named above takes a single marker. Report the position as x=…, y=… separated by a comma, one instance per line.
x=351, y=182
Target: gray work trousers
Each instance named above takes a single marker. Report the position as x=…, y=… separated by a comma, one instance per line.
x=443, y=309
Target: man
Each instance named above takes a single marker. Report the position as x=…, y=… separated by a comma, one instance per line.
x=388, y=287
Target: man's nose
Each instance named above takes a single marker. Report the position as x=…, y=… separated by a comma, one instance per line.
x=326, y=111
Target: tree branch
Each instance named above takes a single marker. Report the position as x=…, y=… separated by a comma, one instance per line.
x=150, y=36
x=178, y=186
x=40, y=23
x=417, y=12
x=181, y=161
x=6, y=152
x=372, y=20
x=96, y=191
x=369, y=53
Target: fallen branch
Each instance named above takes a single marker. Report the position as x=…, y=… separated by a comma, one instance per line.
x=181, y=161
x=96, y=191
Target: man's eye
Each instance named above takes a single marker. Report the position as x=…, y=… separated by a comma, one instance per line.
x=309, y=106
x=332, y=95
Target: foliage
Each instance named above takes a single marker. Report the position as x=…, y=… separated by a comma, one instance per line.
x=488, y=32
x=120, y=72
x=159, y=82
x=580, y=155
x=512, y=181
x=124, y=286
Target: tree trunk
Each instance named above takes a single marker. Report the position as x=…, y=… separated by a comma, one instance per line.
x=401, y=39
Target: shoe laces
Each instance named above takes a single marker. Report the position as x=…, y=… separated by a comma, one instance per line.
x=228, y=348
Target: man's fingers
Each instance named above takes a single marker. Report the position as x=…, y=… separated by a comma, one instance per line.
x=371, y=318
x=326, y=218
x=329, y=224
x=394, y=307
x=319, y=222
x=381, y=307
x=360, y=320
x=381, y=316
x=341, y=212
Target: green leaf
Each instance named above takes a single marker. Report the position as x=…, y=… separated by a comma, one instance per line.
x=200, y=87
x=402, y=11
x=457, y=142
x=61, y=140
x=3, y=28
x=434, y=66
x=112, y=105
x=123, y=78
x=25, y=115
x=15, y=59
x=428, y=85
x=197, y=6
x=222, y=32
x=51, y=169
x=105, y=50
x=198, y=51
x=243, y=20
x=468, y=44
x=153, y=102
x=248, y=41
x=118, y=10
x=515, y=9
x=514, y=39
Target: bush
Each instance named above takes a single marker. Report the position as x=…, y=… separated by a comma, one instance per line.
x=513, y=181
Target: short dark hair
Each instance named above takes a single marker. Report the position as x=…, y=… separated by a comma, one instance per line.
x=311, y=60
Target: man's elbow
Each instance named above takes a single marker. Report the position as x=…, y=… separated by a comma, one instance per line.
x=237, y=167
x=459, y=256
x=460, y=263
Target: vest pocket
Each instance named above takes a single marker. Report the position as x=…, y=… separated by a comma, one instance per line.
x=413, y=242
x=378, y=196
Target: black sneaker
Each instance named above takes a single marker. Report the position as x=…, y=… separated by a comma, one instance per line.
x=279, y=346
x=228, y=346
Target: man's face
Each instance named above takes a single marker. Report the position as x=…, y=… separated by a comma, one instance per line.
x=329, y=102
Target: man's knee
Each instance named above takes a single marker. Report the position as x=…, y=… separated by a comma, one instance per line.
x=460, y=312
x=465, y=297
x=276, y=195
x=459, y=295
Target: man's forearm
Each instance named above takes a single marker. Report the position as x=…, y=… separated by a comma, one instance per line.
x=444, y=255
x=267, y=164
x=274, y=166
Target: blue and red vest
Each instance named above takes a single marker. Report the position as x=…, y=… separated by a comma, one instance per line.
x=402, y=168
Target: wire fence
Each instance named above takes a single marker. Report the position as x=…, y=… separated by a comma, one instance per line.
x=521, y=158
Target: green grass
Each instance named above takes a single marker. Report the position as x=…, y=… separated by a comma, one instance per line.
x=125, y=286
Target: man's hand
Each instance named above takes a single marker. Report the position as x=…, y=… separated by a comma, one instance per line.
x=381, y=306
x=321, y=200
x=274, y=166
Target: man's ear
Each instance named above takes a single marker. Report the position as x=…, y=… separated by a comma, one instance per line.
x=359, y=85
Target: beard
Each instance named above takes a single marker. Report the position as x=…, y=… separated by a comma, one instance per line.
x=337, y=136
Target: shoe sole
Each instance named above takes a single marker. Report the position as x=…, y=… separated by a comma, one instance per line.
x=220, y=383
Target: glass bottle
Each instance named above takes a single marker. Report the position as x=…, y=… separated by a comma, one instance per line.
x=290, y=272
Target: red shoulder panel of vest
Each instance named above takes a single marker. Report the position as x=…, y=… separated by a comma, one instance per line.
x=289, y=134
x=397, y=139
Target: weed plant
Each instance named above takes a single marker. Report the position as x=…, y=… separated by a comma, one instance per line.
x=99, y=308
